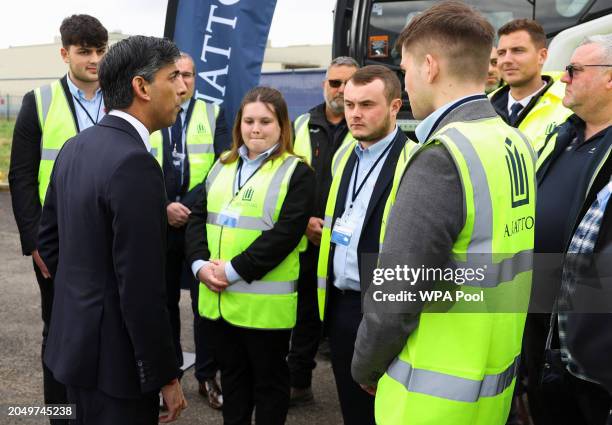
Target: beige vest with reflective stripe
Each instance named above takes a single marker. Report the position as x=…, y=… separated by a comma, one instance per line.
x=200, y=134
x=458, y=366
x=268, y=303
x=57, y=125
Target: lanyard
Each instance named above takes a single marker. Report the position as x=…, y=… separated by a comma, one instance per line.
x=240, y=184
x=356, y=192
x=84, y=109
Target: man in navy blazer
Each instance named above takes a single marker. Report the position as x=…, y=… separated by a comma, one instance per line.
x=102, y=236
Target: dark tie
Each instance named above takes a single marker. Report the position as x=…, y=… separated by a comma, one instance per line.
x=515, y=110
x=176, y=134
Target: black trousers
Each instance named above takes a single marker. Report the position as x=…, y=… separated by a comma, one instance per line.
x=254, y=373
x=54, y=391
x=93, y=407
x=307, y=332
x=342, y=320
x=205, y=365
x=175, y=258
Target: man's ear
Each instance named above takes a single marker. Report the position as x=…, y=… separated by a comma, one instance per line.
x=141, y=88
x=432, y=67
x=64, y=54
x=542, y=55
x=396, y=104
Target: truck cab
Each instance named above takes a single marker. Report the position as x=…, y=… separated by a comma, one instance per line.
x=367, y=29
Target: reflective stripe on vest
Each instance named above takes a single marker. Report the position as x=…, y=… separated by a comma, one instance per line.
x=268, y=303
x=57, y=125
x=459, y=367
x=199, y=135
x=302, y=145
x=451, y=387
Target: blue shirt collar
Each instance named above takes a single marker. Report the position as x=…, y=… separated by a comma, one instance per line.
x=243, y=151
x=423, y=130
x=377, y=147
x=78, y=93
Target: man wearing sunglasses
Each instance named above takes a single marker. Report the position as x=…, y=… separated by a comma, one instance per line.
x=318, y=135
x=186, y=152
x=530, y=101
x=573, y=173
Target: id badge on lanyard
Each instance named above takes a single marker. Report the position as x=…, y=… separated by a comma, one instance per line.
x=228, y=217
x=343, y=230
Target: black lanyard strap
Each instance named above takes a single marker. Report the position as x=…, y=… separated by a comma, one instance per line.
x=87, y=112
x=365, y=179
x=240, y=184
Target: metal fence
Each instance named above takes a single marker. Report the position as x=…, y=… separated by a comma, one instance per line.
x=9, y=105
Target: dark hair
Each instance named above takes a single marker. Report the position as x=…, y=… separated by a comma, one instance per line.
x=533, y=28
x=83, y=30
x=274, y=101
x=129, y=58
x=456, y=30
x=367, y=74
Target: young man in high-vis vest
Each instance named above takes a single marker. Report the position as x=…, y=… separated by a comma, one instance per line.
x=530, y=101
x=186, y=152
x=319, y=133
x=363, y=173
x=464, y=187
x=49, y=116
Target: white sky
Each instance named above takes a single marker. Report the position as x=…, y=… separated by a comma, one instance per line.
x=27, y=22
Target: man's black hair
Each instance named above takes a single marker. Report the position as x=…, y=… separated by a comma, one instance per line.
x=83, y=30
x=129, y=58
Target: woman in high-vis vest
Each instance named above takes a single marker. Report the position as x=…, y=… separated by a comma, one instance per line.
x=243, y=242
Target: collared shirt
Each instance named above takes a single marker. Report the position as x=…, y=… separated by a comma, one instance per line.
x=247, y=168
x=346, y=261
x=583, y=242
x=140, y=127
x=424, y=128
x=88, y=111
x=524, y=101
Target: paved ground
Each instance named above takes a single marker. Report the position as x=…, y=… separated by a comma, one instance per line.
x=20, y=335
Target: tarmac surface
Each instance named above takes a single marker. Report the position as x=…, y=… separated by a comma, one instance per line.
x=20, y=338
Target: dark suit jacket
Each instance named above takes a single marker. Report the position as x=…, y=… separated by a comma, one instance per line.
x=370, y=234
x=102, y=237
x=23, y=170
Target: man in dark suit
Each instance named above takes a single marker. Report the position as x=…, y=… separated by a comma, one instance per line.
x=363, y=176
x=102, y=236
x=68, y=105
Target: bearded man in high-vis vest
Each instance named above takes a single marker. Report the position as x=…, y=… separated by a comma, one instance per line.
x=186, y=152
x=318, y=133
x=49, y=116
x=468, y=182
x=363, y=174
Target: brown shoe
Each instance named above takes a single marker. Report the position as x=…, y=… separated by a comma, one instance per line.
x=211, y=390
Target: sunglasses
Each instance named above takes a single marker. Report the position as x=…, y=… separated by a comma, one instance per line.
x=572, y=69
x=336, y=83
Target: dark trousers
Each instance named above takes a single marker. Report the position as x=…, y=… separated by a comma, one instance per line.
x=254, y=372
x=205, y=365
x=307, y=332
x=343, y=318
x=175, y=257
x=93, y=407
x=54, y=391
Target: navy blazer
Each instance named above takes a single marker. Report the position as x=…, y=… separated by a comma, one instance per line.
x=370, y=234
x=102, y=236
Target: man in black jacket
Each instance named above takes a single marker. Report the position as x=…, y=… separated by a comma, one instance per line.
x=78, y=104
x=574, y=171
x=318, y=135
x=102, y=235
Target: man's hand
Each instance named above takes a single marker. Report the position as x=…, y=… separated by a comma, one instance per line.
x=207, y=276
x=174, y=399
x=178, y=214
x=41, y=264
x=314, y=230
x=368, y=389
x=219, y=270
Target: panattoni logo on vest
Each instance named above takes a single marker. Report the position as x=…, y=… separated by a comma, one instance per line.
x=519, y=179
x=201, y=128
x=248, y=194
